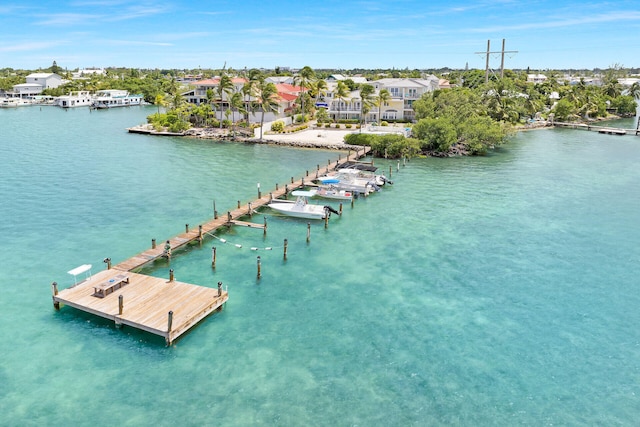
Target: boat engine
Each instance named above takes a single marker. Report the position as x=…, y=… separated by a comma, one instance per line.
x=330, y=210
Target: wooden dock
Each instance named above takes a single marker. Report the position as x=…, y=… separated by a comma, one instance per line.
x=600, y=129
x=166, y=307
x=159, y=306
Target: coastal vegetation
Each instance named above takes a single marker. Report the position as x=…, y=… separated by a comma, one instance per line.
x=477, y=113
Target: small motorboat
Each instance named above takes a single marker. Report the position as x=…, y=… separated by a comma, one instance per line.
x=332, y=192
x=301, y=207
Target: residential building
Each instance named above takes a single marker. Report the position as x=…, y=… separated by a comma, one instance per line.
x=536, y=78
x=36, y=83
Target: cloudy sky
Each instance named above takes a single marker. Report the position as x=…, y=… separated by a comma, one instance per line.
x=322, y=34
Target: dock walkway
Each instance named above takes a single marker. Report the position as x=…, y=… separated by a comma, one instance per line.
x=166, y=307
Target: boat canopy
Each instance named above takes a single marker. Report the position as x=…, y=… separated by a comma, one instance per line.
x=302, y=193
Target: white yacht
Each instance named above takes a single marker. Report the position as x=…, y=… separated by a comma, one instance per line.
x=74, y=99
x=115, y=98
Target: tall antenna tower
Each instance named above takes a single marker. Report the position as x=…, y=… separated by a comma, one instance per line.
x=488, y=54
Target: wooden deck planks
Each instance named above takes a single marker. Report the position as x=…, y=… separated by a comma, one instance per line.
x=146, y=302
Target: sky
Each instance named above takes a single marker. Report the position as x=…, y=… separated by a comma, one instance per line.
x=345, y=34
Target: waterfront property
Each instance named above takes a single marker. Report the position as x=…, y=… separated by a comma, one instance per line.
x=113, y=98
x=154, y=305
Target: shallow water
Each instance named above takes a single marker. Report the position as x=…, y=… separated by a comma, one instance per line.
x=499, y=290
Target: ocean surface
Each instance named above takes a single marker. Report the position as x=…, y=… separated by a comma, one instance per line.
x=486, y=291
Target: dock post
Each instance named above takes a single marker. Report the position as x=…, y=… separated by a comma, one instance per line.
x=390, y=174
x=286, y=189
x=186, y=228
x=108, y=262
x=308, y=232
x=352, y=199
x=307, y=173
x=153, y=243
x=276, y=186
x=286, y=243
x=239, y=204
x=250, y=210
x=213, y=257
x=317, y=168
x=292, y=180
x=259, y=267
x=215, y=212
x=229, y=217
x=398, y=167
x=54, y=289
x=169, y=325
x=219, y=289
x=302, y=181
x=340, y=210
x=270, y=197
x=259, y=192
x=171, y=275
x=200, y=233
x=349, y=154
x=326, y=220
x=120, y=304
x=265, y=226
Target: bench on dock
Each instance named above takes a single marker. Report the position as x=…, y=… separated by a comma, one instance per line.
x=105, y=288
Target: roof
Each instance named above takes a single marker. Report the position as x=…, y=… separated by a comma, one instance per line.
x=42, y=75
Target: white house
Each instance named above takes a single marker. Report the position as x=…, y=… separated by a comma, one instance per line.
x=36, y=83
x=536, y=78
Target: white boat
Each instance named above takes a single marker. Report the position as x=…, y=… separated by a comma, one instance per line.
x=301, y=207
x=331, y=192
x=81, y=98
x=14, y=102
x=113, y=98
x=348, y=180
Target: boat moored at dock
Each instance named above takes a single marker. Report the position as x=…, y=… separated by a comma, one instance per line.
x=113, y=98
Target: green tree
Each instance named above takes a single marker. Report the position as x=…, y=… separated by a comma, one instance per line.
x=267, y=94
x=383, y=97
x=435, y=134
x=225, y=87
x=366, y=100
x=304, y=79
x=340, y=94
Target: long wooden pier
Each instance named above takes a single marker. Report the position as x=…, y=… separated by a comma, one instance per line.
x=166, y=307
x=600, y=129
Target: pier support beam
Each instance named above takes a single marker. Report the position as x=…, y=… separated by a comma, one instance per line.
x=54, y=290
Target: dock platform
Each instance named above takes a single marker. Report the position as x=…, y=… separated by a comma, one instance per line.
x=166, y=307
x=146, y=302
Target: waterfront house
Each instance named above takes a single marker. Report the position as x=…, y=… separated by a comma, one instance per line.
x=36, y=83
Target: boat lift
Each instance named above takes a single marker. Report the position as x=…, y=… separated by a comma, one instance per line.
x=84, y=268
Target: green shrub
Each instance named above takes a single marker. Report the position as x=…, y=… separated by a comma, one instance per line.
x=348, y=126
x=277, y=126
x=384, y=123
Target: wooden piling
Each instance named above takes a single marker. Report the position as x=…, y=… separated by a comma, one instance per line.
x=213, y=257
x=308, y=231
x=120, y=304
x=292, y=181
x=108, y=262
x=250, y=210
x=259, y=192
x=352, y=200
x=390, y=171
x=259, y=267
x=186, y=228
x=219, y=289
x=265, y=226
x=326, y=220
x=340, y=210
x=153, y=243
x=239, y=204
x=171, y=275
x=54, y=290
x=286, y=243
x=200, y=233
x=169, y=324
x=215, y=212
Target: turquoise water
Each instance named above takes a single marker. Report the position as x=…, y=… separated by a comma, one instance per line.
x=475, y=291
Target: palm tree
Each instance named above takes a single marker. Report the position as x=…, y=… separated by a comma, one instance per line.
x=366, y=92
x=237, y=104
x=383, y=97
x=634, y=90
x=248, y=90
x=320, y=88
x=267, y=94
x=159, y=101
x=210, y=96
x=304, y=79
x=225, y=86
x=341, y=93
